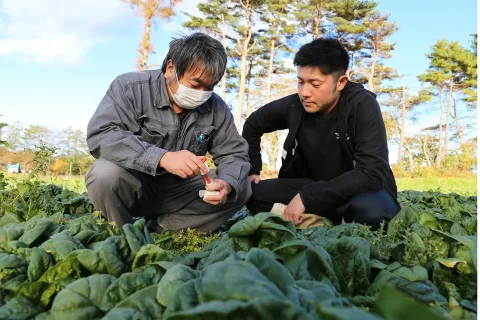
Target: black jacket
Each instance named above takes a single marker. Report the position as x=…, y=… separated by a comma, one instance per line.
x=363, y=140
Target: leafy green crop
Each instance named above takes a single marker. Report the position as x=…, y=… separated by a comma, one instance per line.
x=61, y=260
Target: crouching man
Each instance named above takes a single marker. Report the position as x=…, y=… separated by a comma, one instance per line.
x=335, y=157
x=148, y=133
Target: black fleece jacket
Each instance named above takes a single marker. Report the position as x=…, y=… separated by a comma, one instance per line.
x=362, y=138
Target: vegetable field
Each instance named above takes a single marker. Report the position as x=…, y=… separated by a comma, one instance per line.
x=60, y=260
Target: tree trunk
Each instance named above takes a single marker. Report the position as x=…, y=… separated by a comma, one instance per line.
x=372, y=70
x=249, y=80
x=243, y=46
x=349, y=73
x=425, y=152
x=402, y=128
x=241, y=93
x=449, y=104
x=457, y=122
x=316, y=21
x=410, y=158
x=224, y=41
x=438, y=160
x=145, y=46
x=276, y=138
x=270, y=69
x=270, y=145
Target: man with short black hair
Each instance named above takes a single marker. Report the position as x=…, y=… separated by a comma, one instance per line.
x=148, y=134
x=335, y=157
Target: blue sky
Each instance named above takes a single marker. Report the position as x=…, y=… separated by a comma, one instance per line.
x=57, y=58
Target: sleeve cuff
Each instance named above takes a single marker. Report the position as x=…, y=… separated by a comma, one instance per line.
x=232, y=197
x=310, y=194
x=307, y=208
x=152, y=159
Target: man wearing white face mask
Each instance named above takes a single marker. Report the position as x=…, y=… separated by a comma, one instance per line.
x=188, y=98
x=148, y=134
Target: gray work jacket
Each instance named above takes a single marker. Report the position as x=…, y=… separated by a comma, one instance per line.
x=135, y=125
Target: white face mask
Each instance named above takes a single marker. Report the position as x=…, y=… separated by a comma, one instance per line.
x=188, y=98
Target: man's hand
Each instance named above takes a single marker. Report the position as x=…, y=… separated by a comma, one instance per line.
x=255, y=178
x=294, y=210
x=182, y=163
x=218, y=185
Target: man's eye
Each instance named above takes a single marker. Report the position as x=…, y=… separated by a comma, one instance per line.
x=300, y=83
x=316, y=85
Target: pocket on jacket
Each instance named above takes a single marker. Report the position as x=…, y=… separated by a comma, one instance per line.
x=201, y=140
x=154, y=135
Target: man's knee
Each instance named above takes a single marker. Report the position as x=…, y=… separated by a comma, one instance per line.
x=267, y=192
x=245, y=193
x=264, y=195
x=105, y=181
x=371, y=208
x=256, y=194
x=113, y=190
x=105, y=174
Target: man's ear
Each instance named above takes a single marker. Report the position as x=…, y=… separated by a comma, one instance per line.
x=342, y=82
x=169, y=72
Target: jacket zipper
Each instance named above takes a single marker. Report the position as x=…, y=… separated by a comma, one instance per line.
x=182, y=129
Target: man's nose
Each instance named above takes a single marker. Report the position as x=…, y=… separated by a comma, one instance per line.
x=305, y=92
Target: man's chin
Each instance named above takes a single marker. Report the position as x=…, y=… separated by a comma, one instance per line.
x=310, y=108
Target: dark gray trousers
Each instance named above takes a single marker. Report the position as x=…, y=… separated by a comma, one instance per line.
x=121, y=194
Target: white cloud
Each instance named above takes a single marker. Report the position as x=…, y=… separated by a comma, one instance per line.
x=56, y=30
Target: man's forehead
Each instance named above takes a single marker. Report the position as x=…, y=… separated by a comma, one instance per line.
x=309, y=72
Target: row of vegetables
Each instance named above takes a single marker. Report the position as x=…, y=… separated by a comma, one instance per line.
x=61, y=260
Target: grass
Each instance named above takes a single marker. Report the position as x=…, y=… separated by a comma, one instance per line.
x=461, y=185
x=74, y=183
x=464, y=186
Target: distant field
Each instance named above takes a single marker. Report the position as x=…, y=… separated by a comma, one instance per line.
x=74, y=183
x=467, y=186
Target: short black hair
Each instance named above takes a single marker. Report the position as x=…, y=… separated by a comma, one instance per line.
x=328, y=54
x=197, y=50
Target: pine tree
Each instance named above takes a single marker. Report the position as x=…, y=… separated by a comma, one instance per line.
x=215, y=21
x=406, y=103
x=149, y=9
x=312, y=17
x=373, y=68
x=452, y=68
x=349, y=26
x=247, y=12
x=276, y=15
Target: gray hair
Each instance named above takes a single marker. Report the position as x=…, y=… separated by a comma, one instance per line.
x=197, y=51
